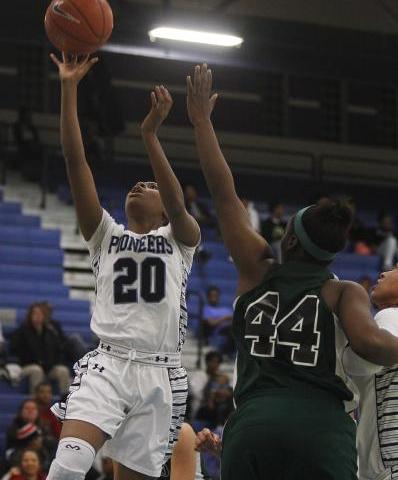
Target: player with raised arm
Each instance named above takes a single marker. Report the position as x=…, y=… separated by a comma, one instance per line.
x=131, y=391
x=377, y=436
x=291, y=324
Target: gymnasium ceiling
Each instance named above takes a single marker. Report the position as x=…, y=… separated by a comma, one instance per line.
x=367, y=15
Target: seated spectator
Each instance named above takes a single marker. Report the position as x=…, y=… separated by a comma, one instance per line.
x=26, y=435
x=44, y=400
x=217, y=322
x=253, y=214
x=29, y=148
x=28, y=412
x=197, y=208
x=73, y=346
x=273, y=228
x=28, y=468
x=216, y=404
x=39, y=350
x=27, y=423
x=385, y=241
x=199, y=379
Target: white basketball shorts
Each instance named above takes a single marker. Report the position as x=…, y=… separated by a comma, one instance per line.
x=140, y=406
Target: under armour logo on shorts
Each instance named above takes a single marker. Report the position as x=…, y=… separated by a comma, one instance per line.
x=73, y=447
x=164, y=359
x=105, y=347
x=97, y=367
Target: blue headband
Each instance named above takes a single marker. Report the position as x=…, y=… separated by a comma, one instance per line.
x=305, y=241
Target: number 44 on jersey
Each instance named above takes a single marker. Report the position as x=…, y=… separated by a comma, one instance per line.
x=297, y=331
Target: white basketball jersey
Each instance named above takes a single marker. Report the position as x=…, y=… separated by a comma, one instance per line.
x=377, y=436
x=140, y=287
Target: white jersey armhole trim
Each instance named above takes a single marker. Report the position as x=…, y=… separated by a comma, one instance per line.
x=98, y=236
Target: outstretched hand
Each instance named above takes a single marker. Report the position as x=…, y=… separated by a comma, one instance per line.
x=206, y=441
x=72, y=68
x=161, y=103
x=200, y=101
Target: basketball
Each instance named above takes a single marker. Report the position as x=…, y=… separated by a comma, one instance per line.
x=78, y=26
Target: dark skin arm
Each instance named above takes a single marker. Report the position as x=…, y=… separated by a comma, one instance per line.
x=84, y=192
x=183, y=460
x=250, y=252
x=184, y=226
x=366, y=338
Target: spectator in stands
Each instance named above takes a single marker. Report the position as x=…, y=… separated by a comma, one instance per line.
x=386, y=241
x=25, y=431
x=39, y=350
x=273, y=228
x=197, y=208
x=44, y=400
x=217, y=403
x=218, y=322
x=28, y=413
x=29, y=468
x=253, y=214
x=27, y=141
x=73, y=346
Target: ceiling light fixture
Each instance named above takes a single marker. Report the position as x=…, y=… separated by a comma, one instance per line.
x=195, y=36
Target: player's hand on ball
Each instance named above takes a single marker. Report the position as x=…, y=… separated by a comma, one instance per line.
x=161, y=103
x=200, y=101
x=72, y=69
x=206, y=441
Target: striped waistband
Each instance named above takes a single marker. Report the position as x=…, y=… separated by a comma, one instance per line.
x=171, y=360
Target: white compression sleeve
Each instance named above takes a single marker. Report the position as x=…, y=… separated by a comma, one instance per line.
x=73, y=460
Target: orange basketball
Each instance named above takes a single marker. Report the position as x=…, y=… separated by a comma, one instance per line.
x=78, y=26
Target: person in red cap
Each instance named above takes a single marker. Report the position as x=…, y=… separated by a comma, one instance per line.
x=25, y=432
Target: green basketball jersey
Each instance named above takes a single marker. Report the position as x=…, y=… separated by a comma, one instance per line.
x=286, y=335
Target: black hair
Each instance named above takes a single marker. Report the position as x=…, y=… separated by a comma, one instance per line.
x=213, y=354
x=328, y=224
x=211, y=288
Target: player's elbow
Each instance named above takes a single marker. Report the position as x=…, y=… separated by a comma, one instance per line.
x=373, y=348
x=365, y=346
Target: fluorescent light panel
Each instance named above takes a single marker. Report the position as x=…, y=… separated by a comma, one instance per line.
x=195, y=36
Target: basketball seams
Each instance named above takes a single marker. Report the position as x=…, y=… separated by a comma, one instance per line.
x=85, y=19
x=103, y=19
x=68, y=34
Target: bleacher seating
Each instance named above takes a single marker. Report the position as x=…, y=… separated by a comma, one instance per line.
x=33, y=273
x=31, y=270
